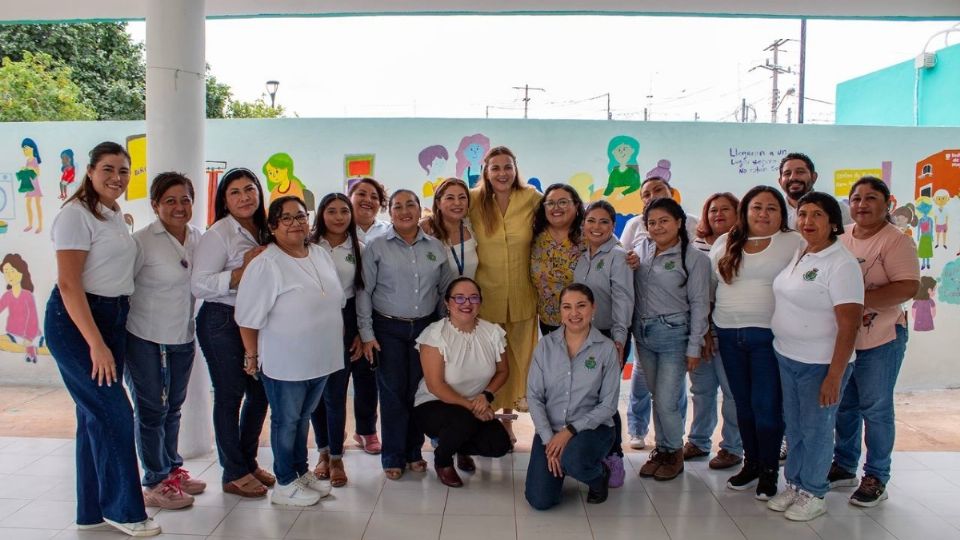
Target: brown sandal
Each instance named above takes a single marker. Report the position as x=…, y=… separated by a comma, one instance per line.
x=264, y=477
x=322, y=470
x=418, y=466
x=247, y=486
x=338, y=476
x=393, y=473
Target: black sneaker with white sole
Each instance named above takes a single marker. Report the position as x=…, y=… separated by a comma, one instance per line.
x=767, y=484
x=870, y=493
x=746, y=478
x=840, y=477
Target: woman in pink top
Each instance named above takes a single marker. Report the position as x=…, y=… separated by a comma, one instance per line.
x=891, y=273
x=18, y=300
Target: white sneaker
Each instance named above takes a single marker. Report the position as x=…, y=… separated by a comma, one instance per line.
x=637, y=443
x=295, y=493
x=312, y=482
x=102, y=526
x=806, y=507
x=783, y=500
x=147, y=527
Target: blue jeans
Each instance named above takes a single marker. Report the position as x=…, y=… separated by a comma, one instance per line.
x=581, y=459
x=661, y=349
x=329, y=419
x=868, y=401
x=291, y=403
x=809, y=426
x=639, y=407
x=754, y=377
x=157, y=376
x=703, y=385
x=107, y=476
x=237, y=422
x=398, y=378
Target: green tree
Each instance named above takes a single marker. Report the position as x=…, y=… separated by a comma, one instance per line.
x=107, y=65
x=253, y=109
x=219, y=96
x=36, y=89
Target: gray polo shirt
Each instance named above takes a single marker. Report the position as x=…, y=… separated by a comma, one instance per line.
x=611, y=280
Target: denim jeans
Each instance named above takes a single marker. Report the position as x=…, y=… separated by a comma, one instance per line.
x=581, y=459
x=754, y=377
x=157, y=376
x=639, y=406
x=398, y=378
x=329, y=419
x=237, y=422
x=703, y=385
x=868, y=402
x=291, y=403
x=810, y=427
x=661, y=349
x=107, y=476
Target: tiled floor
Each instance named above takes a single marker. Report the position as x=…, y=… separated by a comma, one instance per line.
x=37, y=502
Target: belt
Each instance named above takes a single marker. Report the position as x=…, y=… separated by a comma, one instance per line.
x=401, y=319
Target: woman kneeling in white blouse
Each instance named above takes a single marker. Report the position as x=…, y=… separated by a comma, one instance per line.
x=288, y=311
x=464, y=363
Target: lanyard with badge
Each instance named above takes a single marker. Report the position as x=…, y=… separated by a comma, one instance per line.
x=461, y=260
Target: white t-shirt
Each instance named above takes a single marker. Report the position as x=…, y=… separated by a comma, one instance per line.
x=111, y=251
x=635, y=230
x=219, y=253
x=345, y=262
x=804, y=324
x=469, y=260
x=295, y=303
x=748, y=301
x=469, y=359
x=161, y=307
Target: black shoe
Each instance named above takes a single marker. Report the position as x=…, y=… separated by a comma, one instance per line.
x=599, y=491
x=839, y=477
x=744, y=479
x=870, y=493
x=767, y=484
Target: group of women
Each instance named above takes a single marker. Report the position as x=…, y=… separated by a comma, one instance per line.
x=437, y=318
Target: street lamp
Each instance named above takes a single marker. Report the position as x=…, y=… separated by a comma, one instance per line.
x=272, y=90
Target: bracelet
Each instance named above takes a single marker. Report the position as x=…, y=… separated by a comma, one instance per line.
x=489, y=395
x=571, y=429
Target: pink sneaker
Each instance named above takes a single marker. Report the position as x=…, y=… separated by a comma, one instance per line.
x=167, y=495
x=189, y=485
x=369, y=443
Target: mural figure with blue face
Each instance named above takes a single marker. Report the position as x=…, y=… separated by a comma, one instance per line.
x=470, y=157
x=622, y=153
x=925, y=226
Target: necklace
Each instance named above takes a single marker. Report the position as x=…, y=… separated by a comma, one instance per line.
x=184, y=262
x=757, y=239
x=311, y=270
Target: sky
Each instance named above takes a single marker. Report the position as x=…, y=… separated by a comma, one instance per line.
x=677, y=68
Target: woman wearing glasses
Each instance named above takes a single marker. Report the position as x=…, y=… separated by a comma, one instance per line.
x=464, y=364
x=291, y=289
x=557, y=246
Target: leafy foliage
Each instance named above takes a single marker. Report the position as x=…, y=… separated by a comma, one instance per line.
x=37, y=89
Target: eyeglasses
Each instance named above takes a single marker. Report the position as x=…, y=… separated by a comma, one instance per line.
x=287, y=220
x=560, y=203
x=460, y=299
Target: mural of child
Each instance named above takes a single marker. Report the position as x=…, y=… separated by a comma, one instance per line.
x=281, y=181
x=622, y=152
x=433, y=161
x=924, y=309
x=905, y=218
x=941, y=218
x=470, y=156
x=925, y=226
x=23, y=326
x=68, y=172
x=29, y=177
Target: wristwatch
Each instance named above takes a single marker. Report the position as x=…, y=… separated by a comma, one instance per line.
x=571, y=429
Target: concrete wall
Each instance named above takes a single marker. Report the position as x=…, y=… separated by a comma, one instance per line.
x=704, y=158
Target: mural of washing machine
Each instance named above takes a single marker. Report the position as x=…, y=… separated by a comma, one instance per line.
x=7, y=207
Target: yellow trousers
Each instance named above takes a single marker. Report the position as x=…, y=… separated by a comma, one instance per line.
x=521, y=340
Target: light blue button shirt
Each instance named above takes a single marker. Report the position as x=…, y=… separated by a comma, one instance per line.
x=611, y=280
x=581, y=391
x=401, y=280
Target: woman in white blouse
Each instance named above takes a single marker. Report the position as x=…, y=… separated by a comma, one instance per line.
x=464, y=364
x=449, y=224
x=160, y=345
x=84, y=328
x=221, y=258
x=288, y=310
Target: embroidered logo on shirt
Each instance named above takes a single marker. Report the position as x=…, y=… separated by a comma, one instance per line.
x=431, y=256
x=590, y=363
x=669, y=265
x=811, y=275
x=350, y=259
x=600, y=265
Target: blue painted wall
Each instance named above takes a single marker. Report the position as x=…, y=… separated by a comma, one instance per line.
x=885, y=97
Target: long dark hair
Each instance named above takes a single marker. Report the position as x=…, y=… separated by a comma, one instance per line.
x=220, y=202
x=88, y=196
x=540, y=216
x=436, y=219
x=729, y=264
x=20, y=265
x=320, y=229
x=673, y=208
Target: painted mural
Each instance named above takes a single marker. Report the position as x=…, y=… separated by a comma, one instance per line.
x=599, y=159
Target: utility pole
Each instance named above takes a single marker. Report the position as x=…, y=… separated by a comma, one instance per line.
x=802, y=92
x=488, y=112
x=526, y=96
x=775, y=69
x=609, y=114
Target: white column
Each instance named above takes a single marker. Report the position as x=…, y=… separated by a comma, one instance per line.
x=176, y=113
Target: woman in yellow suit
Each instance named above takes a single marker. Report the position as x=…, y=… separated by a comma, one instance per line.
x=501, y=209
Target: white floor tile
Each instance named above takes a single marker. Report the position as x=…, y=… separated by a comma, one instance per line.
x=39, y=514
x=938, y=461
x=34, y=446
x=551, y=523
x=348, y=499
x=342, y=525
x=479, y=527
x=257, y=523
x=402, y=527
x=702, y=528
x=14, y=463
x=622, y=503
x=918, y=527
x=833, y=527
x=199, y=520
x=403, y=502
x=628, y=528
x=9, y=506
x=686, y=481
x=764, y=528
x=688, y=503
x=480, y=501
x=918, y=482
x=52, y=466
x=29, y=534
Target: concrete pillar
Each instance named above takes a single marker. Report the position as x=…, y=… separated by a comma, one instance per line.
x=176, y=113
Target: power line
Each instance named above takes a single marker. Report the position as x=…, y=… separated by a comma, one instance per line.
x=526, y=96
